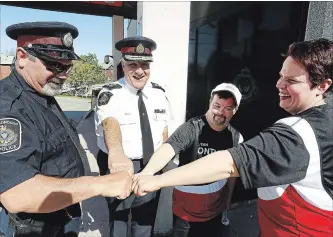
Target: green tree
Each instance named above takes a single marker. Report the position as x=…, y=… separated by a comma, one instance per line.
x=86, y=72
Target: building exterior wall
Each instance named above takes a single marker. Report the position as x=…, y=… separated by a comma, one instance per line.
x=168, y=24
x=4, y=71
x=117, y=34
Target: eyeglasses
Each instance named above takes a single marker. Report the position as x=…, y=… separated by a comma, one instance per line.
x=53, y=66
x=57, y=68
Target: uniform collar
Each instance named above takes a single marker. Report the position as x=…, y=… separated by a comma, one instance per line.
x=131, y=88
x=19, y=80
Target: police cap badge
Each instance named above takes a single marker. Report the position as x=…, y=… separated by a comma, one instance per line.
x=67, y=40
x=136, y=48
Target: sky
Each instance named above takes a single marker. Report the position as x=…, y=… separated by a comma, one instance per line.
x=95, y=32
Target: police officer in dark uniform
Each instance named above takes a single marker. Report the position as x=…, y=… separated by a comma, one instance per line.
x=41, y=171
x=131, y=121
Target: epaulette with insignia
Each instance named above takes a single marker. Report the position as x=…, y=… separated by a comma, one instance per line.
x=105, y=96
x=112, y=86
x=157, y=86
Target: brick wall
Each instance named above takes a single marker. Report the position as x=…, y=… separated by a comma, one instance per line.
x=4, y=71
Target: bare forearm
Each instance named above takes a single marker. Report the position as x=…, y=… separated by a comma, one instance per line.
x=165, y=134
x=213, y=167
x=159, y=159
x=112, y=137
x=43, y=194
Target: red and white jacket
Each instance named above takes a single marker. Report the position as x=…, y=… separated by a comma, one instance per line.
x=291, y=163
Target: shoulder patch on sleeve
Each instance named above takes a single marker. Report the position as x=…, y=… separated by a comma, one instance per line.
x=10, y=135
x=112, y=86
x=157, y=86
x=104, y=98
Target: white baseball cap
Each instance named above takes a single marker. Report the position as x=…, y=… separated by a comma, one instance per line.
x=231, y=88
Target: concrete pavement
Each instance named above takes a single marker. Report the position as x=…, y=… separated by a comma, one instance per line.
x=69, y=104
x=74, y=107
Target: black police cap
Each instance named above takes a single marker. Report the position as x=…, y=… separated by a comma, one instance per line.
x=137, y=48
x=45, y=28
x=47, y=40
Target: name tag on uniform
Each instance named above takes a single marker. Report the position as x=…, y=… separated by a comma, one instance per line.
x=159, y=111
x=160, y=114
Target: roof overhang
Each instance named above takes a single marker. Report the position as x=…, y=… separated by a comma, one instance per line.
x=127, y=9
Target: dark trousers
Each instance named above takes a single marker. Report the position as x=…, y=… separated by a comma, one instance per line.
x=142, y=209
x=183, y=228
x=71, y=229
x=49, y=231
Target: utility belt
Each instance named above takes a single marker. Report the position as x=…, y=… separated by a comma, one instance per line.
x=45, y=224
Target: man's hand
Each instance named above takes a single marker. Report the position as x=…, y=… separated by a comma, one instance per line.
x=142, y=184
x=116, y=185
x=120, y=163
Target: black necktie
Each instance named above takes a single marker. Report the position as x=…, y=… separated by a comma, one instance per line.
x=71, y=132
x=147, y=139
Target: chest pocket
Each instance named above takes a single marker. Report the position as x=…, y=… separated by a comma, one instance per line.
x=159, y=110
x=160, y=117
x=61, y=157
x=128, y=126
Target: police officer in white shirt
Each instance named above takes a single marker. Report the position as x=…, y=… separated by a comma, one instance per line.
x=131, y=122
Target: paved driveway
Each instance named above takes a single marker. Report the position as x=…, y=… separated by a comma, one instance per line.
x=74, y=107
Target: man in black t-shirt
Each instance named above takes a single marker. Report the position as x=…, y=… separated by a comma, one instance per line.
x=197, y=209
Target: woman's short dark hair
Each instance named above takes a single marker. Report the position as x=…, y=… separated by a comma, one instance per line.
x=317, y=58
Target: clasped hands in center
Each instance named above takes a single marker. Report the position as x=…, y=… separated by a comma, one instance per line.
x=140, y=184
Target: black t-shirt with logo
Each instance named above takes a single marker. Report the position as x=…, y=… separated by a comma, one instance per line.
x=199, y=203
x=182, y=141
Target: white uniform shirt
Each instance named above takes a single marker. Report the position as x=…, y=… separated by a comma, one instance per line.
x=123, y=106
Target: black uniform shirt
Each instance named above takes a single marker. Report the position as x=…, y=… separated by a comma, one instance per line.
x=32, y=139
